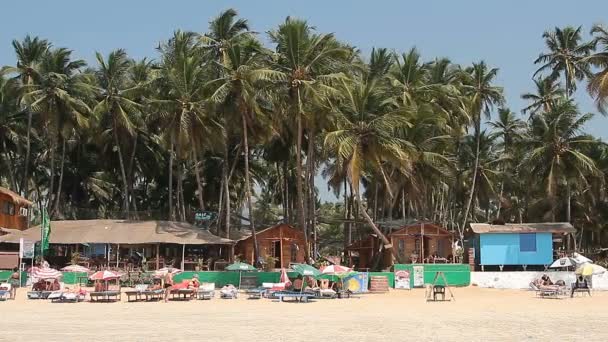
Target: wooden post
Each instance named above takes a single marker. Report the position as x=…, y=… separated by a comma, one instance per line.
x=158, y=256
x=231, y=251
x=183, y=255
x=117, y=254
x=281, y=246
x=422, y=242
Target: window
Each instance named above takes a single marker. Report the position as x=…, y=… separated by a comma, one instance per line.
x=8, y=208
x=401, y=247
x=527, y=242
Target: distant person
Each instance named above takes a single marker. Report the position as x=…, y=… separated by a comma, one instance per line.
x=545, y=280
x=15, y=282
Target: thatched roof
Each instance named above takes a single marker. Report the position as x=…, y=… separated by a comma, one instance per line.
x=547, y=227
x=120, y=232
x=15, y=197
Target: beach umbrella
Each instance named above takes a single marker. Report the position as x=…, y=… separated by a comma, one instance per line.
x=76, y=268
x=45, y=273
x=336, y=270
x=240, y=266
x=105, y=275
x=161, y=272
x=588, y=269
x=580, y=259
x=306, y=270
x=563, y=262
x=284, y=278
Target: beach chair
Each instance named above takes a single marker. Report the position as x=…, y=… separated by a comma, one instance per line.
x=5, y=291
x=300, y=297
x=580, y=288
x=66, y=297
x=206, y=291
x=256, y=293
x=229, y=292
x=182, y=294
x=138, y=293
x=548, y=291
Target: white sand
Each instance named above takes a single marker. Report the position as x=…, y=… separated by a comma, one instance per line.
x=476, y=315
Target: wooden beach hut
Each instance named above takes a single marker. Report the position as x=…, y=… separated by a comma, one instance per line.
x=283, y=242
x=14, y=210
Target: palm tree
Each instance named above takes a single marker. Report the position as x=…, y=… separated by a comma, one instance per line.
x=224, y=30
x=30, y=53
x=59, y=98
x=598, y=83
x=557, y=150
x=547, y=93
x=482, y=96
x=366, y=137
x=566, y=56
x=238, y=92
x=117, y=104
x=310, y=62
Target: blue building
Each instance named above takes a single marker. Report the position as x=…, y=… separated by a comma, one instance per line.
x=517, y=244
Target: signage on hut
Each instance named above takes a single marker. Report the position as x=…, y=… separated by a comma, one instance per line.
x=203, y=219
x=402, y=279
x=26, y=249
x=418, y=276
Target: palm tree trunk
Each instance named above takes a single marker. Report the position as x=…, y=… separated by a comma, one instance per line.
x=568, y=202
x=180, y=183
x=171, y=216
x=123, y=174
x=385, y=241
x=474, y=180
x=256, y=247
x=24, y=184
x=130, y=175
x=286, y=190
x=346, y=218
x=199, y=182
x=225, y=176
x=51, y=190
x=299, y=185
x=58, y=198
x=9, y=167
x=502, y=187
x=310, y=167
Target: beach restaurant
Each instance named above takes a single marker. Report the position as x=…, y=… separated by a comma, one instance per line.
x=129, y=244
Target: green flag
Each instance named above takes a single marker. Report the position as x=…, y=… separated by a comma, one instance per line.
x=45, y=231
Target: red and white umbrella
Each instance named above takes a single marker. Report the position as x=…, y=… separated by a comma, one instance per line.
x=284, y=278
x=163, y=271
x=76, y=268
x=45, y=273
x=335, y=270
x=105, y=275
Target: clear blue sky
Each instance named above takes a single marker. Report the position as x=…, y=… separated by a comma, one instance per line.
x=506, y=34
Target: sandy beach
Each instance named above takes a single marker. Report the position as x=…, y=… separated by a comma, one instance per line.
x=476, y=315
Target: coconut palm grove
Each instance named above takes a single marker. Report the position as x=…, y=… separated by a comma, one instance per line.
x=249, y=126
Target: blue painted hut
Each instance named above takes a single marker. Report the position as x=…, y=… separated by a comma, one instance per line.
x=518, y=244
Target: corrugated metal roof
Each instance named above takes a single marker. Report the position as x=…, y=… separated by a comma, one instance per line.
x=120, y=232
x=545, y=227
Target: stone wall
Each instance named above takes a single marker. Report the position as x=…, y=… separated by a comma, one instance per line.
x=522, y=280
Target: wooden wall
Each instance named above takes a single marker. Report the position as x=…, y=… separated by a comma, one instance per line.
x=267, y=239
x=14, y=221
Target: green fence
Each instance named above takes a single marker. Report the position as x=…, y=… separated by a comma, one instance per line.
x=455, y=274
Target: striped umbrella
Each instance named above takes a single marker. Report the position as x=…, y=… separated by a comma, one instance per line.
x=335, y=270
x=76, y=268
x=105, y=275
x=45, y=273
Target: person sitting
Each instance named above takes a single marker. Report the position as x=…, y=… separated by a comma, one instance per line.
x=545, y=280
x=194, y=282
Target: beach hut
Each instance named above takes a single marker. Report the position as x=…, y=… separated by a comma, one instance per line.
x=517, y=244
x=14, y=210
x=283, y=242
x=419, y=242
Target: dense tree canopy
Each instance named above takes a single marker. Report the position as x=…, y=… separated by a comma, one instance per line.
x=217, y=121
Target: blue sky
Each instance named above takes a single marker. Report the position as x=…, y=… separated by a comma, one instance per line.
x=506, y=34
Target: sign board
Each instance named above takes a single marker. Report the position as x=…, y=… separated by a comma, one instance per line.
x=26, y=249
x=204, y=218
x=356, y=283
x=402, y=279
x=418, y=276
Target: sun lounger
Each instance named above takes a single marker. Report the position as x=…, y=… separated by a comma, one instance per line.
x=138, y=293
x=105, y=296
x=5, y=291
x=228, y=292
x=206, y=291
x=38, y=294
x=182, y=294
x=549, y=291
x=256, y=293
x=297, y=296
x=66, y=297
